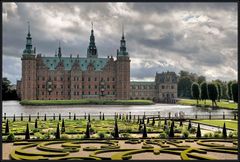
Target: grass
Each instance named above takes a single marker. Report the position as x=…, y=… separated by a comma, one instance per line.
x=223, y=104
x=230, y=124
x=85, y=102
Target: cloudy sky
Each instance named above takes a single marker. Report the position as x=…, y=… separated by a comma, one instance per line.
x=196, y=37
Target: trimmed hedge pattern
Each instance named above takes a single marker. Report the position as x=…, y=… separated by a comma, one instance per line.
x=48, y=151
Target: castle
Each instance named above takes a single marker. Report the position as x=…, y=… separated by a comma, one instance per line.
x=65, y=78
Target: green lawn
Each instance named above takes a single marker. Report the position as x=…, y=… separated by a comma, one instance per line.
x=86, y=102
x=222, y=104
x=231, y=124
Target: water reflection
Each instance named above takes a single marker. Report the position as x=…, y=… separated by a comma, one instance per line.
x=13, y=107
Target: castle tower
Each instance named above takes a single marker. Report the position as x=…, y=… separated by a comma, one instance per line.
x=92, y=49
x=28, y=87
x=123, y=71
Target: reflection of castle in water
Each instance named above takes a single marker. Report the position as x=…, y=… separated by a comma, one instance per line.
x=58, y=78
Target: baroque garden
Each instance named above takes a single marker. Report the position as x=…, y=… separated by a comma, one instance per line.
x=122, y=136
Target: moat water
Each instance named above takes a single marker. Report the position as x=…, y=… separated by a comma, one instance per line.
x=13, y=107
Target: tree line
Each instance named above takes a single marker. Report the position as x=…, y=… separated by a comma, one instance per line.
x=186, y=79
x=213, y=91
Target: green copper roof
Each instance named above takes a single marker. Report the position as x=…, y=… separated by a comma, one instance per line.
x=52, y=62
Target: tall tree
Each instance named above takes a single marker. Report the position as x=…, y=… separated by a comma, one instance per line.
x=229, y=90
x=198, y=135
x=57, y=134
x=184, y=87
x=219, y=88
x=212, y=93
x=171, y=133
x=144, y=131
x=87, y=133
x=235, y=92
x=204, y=93
x=116, y=133
x=7, y=127
x=195, y=91
x=224, y=131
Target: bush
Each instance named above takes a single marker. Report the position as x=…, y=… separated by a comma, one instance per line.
x=217, y=134
x=230, y=134
x=163, y=135
x=35, y=130
x=39, y=135
x=185, y=133
x=125, y=135
x=101, y=135
x=10, y=137
x=91, y=130
x=192, y=130
x=65, y=136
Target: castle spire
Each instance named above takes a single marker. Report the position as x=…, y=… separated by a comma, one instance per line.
x=28, y=49
x=122, y=31
x=92, y=49
x=59, y=50
x=123, y=49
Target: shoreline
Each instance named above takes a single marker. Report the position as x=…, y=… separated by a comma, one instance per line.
x=84, y=102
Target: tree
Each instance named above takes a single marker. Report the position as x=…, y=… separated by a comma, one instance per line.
x=219, y=88
x=85, y=116
x=14, y=118
x=212, y=93
x=21, y=116
x=29, y=118
x=195, y=91
x=224, y=131
x=153, y=121
x=59, y=117
x=74, y=116
x=189, y=125
x=63, y=126
x=144, y=131
x=201, y=79
x=235, y=92
x=229, y=90
x=87, y=133
x=89, y=118
x=36, y=123
x=45, y=117
x=57, y=135
x=7, y=92
x=198, y=135
x=204, y=93
x=171, y=133
x=181, y=123
x=103, y=117
x=53, y=116
x=7, y=128
x=27, y=133
x=116, y=134
x=184, y=87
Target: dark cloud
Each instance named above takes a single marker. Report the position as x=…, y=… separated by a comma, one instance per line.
x=160, y=36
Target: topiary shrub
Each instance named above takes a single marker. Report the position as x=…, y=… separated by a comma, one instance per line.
x=144, y=131
x=57, y=134
x=87, y=133
x=125, y=135
x=116, y=133
x=192, y=130
x=10, y=137
x=163, y=135
x=14, y=118
x=27, y=133
x=185, y=133
x=36, y=124
x=224, y=131
x=65, y=136
x=198, y=135
x=101, y=135
x=189, y=125
x=171, y=132
x=7, y=127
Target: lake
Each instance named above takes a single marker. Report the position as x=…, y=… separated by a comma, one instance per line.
x=13, y=107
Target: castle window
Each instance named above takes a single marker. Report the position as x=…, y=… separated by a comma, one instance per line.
x=163, y=87
x=68, y=93
x=172, y=95
x=163, y=95
x=108, y=93
x=108, y=86
x=38, y=85
x=82, y=78
x=95, y=79
x=74, y=93
x=43, y=86
x=89, y=87
x=113, y=86
x=47, y=60
x=95, y=93
x=42, y=93
x=55, y=78
x=77, y=86
x=37, y=78
x=107, y=79
x=62, y=86
x=61, y=78
x=82, y=93
x=172, y=87
x=43, y=78
x=89, y=79
x=57, y=93
x=89, y=93
x=29, y=78
x=113, y=79
x=55, y=86
x=77, y=78
x=113, y=93
x=77, y=93
x=95, y=86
